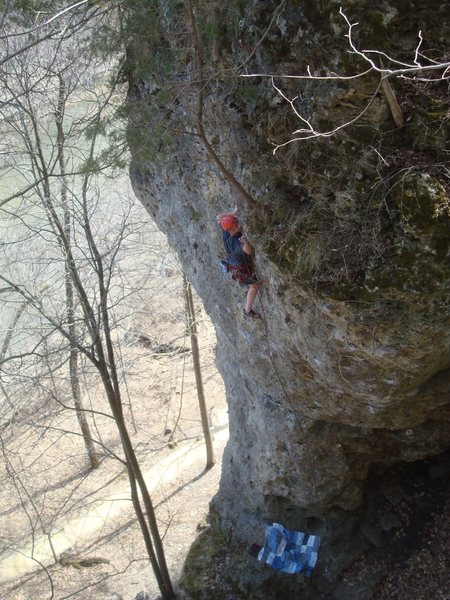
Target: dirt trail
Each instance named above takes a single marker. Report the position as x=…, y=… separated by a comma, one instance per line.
x=78, y=530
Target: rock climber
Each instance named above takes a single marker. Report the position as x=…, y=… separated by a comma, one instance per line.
x=239, y=259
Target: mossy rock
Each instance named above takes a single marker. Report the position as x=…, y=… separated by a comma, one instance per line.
x=204, y=572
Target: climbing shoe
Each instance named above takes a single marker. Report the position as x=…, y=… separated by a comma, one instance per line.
x=252, y=314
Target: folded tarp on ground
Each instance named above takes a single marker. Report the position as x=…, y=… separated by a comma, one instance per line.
x=289, y=551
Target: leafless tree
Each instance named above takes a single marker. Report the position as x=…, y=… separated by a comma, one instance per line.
x=97, y=345
x=73, y=288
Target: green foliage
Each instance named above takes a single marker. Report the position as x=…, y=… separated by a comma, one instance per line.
x=95, y=129
x=196, y=215
x=210, y=30
x=108, y=40
x=195, y=575
x=147, y=29
x=90, y=166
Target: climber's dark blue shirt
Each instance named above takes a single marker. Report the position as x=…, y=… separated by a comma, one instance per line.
x=233, y=248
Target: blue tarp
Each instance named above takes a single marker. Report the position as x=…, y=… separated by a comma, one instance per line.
x=289, y=551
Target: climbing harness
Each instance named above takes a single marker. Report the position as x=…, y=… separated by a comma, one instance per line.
x=242, y=273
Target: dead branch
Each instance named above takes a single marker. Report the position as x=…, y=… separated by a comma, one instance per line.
x=396, y=111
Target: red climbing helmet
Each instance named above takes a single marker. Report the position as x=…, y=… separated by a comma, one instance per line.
x=229, y=222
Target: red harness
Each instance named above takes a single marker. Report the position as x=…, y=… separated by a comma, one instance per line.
x=241, y=273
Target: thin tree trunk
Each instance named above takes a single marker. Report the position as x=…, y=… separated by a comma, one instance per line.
x=6, y=343
x=159, y=563
x=162, y=572
x=79, y=409
x=10, y=331
x=144, y=529
x=198, y=372
x=70, y=300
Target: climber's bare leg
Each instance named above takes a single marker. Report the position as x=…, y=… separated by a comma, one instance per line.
x=251, y=295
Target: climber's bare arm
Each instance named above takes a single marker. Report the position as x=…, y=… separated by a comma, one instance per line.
x=246, y=246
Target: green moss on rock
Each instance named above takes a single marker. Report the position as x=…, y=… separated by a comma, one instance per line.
x=205, y=570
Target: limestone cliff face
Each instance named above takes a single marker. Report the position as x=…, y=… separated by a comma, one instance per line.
x=350, y=367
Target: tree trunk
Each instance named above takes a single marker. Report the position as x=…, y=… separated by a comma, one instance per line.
x=153, y=544
x=6, y=343
x=198, y=372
